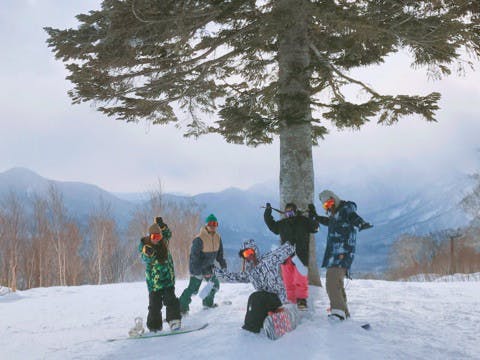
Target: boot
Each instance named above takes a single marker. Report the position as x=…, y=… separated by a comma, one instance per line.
x=302, y=304
x=175, y=324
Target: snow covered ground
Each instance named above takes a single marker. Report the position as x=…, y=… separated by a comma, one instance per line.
x=410, y=320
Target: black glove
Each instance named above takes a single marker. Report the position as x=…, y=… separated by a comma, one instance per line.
x=312, y=212
x=160, y=222
x=365, y=226
x=149, y=250
x=268, y=208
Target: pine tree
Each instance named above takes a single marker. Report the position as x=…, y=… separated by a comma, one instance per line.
x=266, y=68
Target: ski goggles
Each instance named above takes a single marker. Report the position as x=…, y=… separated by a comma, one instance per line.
x=289, y=213
x=329, y=204
x=247, y=253
x=156, y=237
x=212, y=223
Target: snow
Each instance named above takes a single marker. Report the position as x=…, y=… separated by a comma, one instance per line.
x=410, y=320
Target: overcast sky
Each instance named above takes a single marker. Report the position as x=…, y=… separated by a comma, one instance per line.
x=42, y=131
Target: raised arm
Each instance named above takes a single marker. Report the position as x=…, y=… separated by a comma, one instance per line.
x=268, y=218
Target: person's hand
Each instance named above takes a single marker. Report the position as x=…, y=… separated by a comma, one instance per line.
x=365, y=226
x=312, y=212
x=268, y=208
x=160, y=222
x=148, y=250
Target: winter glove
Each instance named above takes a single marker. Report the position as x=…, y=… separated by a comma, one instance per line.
x=268, y=209
x=302, y=269
x=160, y=222
x=312, y=212
x=148, y=250
x=364, y=226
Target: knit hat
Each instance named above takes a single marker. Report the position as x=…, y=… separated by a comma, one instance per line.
x=209, y=218
x=327, y=194
x=154, y=229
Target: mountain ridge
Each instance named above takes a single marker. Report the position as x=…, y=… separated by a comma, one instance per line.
x=391, y=210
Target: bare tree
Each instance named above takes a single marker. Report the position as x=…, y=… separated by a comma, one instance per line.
x=184, y=221
x=103, y=241
x=57, y=213
x=13, y=236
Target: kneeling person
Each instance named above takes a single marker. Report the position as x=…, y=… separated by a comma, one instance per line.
x=264, y=274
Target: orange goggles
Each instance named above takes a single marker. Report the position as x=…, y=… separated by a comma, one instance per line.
x=329, y=204
x=247, y=253
x=212, y=223
x=156, y=237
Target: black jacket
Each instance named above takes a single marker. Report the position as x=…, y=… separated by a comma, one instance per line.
x=296, y=230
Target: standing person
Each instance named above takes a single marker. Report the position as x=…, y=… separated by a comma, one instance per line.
x=206, y=248
x=342, y=221
x=160, y=276
x=295, y=229
x=263, y=271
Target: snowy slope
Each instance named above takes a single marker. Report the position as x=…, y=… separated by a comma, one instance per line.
x=438, y=320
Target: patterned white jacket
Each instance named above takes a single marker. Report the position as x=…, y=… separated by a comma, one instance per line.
x=266, y=274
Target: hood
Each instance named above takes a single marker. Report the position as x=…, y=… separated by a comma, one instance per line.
x=250, y=243
x=327, y=194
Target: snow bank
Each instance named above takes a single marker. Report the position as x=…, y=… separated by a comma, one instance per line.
x=410, y=320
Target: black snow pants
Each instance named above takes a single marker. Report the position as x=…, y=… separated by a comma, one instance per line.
x=258, y=306
x=156, y=301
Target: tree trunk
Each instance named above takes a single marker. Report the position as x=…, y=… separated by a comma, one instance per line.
x=296, y=163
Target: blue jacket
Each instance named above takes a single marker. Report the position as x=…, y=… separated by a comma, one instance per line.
x=342, y=235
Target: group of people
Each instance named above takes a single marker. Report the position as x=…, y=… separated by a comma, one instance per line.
x=279, y=276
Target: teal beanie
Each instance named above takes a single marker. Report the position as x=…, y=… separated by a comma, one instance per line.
x=209, y=218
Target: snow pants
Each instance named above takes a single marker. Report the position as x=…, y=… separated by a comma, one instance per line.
x=192, y=289
x=258, y=306
x=336, y=290
x=156, y=301
x=295, y=283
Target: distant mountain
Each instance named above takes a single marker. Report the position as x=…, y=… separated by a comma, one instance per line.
x=392, y=207
x=79, y=198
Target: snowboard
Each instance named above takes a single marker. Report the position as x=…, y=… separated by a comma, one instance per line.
x=149, y=335
x=279, y=322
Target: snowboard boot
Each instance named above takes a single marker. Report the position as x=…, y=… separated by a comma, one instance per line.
x=175, y=324
x=302, y=304
x=138, y=330
x=206, y=307
x=337, y=315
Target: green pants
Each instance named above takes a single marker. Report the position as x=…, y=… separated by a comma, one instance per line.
x=192, y=289
x=336, y=290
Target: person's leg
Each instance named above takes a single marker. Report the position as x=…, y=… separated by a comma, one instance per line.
x=154, y=317
x=186, y=297
x=301, y=288
x=336, y=291
x=258, y=306
x=172, y=304
x=208, y=301
x=288, y=276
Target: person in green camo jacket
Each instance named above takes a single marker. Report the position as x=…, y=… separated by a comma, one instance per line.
x=160, y=276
